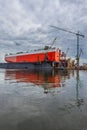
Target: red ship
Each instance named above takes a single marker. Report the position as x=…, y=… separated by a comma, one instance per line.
x=37, y=56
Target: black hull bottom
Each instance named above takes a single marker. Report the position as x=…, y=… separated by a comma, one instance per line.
x=24, y=65
x=44, y=65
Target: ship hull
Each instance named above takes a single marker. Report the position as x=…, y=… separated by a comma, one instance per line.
x=31, y=66
x=48, y=59
x=25, y=65
x=34, y=57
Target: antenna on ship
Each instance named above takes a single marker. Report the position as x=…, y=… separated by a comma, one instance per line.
x=77, y=35
x=67, y=51
x=53, y=42
x=18, y=44
x=48, y=47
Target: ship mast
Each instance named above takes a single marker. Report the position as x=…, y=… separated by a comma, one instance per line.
x=53, y=42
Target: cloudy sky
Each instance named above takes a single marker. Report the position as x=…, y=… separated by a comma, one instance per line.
x=25, y=25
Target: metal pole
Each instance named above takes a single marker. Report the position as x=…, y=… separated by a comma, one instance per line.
x=77, y=49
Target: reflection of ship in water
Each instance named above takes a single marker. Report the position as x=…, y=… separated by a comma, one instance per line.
x=46, y=79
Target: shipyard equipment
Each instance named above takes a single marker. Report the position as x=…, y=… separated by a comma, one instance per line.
x=77, y=35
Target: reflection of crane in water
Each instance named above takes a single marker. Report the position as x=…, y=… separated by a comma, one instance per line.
x=79, y=101
x=77, y=35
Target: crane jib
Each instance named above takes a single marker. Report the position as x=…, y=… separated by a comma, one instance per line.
x=68, y=31
x=77, y=34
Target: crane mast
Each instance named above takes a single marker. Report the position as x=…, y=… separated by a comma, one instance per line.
x=77, y=35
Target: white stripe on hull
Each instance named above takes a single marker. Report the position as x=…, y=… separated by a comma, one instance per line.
x=27, y=53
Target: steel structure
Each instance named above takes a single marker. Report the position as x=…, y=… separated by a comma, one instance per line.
x=77, y=35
